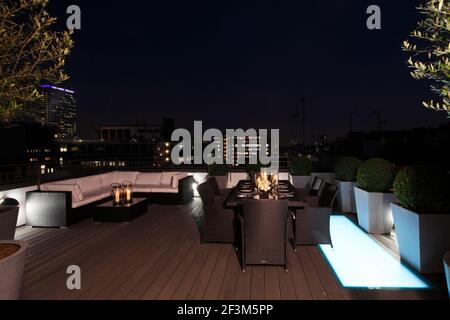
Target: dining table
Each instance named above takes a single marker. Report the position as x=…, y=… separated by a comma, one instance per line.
x=246, y=189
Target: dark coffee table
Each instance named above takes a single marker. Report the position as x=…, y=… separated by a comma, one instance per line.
x=108, y=212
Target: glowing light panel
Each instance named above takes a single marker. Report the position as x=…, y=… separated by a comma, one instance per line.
x=360, y=262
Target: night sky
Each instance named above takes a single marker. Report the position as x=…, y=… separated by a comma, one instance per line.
x=244, y=64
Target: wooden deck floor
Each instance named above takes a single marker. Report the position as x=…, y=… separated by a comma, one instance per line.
x=159, y=256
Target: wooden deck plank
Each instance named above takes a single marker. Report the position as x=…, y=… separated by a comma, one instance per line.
x=135, y=286
x=328, y=281
x=301, y=286
x=258, y=286
x=231, y=277
x=168, y=290
x=117, y=265
x=166, y=272
x=185, y=286
x=287, y=289
x=315, y=285
x=243, y=285
x=272, y=284
x=159, y=256
x=200, y=285
x=215, y=282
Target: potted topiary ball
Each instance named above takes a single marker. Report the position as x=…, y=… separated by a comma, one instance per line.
x=12, y=262
x=346, y=172
x=301, y=169
x=373, y=196
x=422, y=216
x=220, y=172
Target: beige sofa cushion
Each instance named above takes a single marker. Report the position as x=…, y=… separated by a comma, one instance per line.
x=91, y=185
x=108, y=179
x=149, y=178
x=75, y=189
x=86, y=201
x=167, y=177
x=127, y=176
x=163, y=189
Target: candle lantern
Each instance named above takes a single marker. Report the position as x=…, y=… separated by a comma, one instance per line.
x=275, y=180
x=117, y=194
x=127, y=188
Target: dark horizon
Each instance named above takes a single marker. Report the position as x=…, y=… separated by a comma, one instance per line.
x=242, y=66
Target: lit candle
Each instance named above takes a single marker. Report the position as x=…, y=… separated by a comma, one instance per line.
x=128, y=195
x=117, y=196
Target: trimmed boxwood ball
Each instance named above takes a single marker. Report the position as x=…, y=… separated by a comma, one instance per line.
x=218, y=170
x=301, y=166
x=347, y=169
x=375, y=175
x=423, y=189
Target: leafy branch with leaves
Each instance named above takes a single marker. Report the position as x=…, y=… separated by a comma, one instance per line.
x=31, y=53
x=430, y=51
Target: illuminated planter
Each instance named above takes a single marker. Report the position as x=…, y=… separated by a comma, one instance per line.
x=346, y=196
x=423, y=239
x=447, y=270
x=12, y=262
x=374, y=211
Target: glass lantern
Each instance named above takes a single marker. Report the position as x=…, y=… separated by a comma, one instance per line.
x=117, y=194
x=127, y=188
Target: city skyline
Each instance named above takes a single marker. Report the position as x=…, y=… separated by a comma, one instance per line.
x=196, y=63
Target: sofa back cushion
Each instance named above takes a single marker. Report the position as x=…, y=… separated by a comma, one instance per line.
x=149, y=178
x=127, y=176
x=166, y=179
x=75, y=189
x=91, y=185
x=108, y=179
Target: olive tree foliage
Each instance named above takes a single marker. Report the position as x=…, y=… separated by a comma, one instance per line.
x=31, y=53
x=429, y=49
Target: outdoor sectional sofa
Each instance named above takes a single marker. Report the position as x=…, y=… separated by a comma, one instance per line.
x=64, y=203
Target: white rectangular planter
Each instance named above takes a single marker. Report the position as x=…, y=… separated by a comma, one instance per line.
x=301, y=182
x=423, y=239
x=11, y=272
x=374, y=211
x=346, y=196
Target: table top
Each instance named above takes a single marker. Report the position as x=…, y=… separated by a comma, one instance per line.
x=110, y=204
x=235, y=199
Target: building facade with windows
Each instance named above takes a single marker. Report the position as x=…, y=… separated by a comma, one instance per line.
x=58, y=108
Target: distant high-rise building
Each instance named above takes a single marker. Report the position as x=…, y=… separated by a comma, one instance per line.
x=59, y=109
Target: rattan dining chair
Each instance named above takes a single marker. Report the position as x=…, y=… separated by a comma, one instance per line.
x=219, y=222
x=311, y=225
x=263, y=228
x=312, y=191
x=215, y=186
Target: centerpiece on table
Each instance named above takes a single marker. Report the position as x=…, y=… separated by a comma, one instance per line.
x=266, y=183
